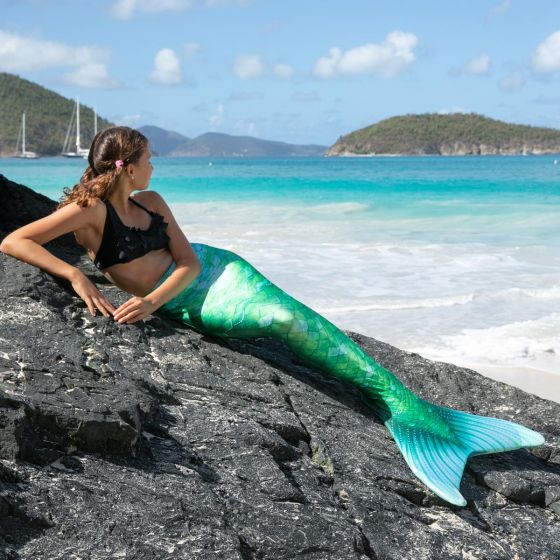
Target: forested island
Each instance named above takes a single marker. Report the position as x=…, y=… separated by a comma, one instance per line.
x=450, y=134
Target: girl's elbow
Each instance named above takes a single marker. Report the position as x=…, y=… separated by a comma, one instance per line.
x=5, y=245
x=196, y=267
x=191, y=265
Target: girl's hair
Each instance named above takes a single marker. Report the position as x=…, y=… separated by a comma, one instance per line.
x=101, y=176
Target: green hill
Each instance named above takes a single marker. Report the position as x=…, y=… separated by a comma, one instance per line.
x=47, y=116
x=453, y=134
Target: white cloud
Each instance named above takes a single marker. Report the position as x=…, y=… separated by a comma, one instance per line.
x=129, y=120
x=452, y=110
x=546, y=58
x=477, y=66
x=512, y=82
x=502, y=7
x=253, y=66
x=217, y=3
x=387, y=59
x=125, y=9
x=217, y=118
x=246, y=127
x=283, y=70
x=248, y=66
x=191, y=48
x=92, y=75
x=23, y=54
x=167, y=70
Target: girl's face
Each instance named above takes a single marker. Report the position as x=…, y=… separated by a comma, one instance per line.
x=143, y=170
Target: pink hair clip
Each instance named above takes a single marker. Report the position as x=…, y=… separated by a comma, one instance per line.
x=119, y=163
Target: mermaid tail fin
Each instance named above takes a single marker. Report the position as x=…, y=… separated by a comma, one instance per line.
x=438, y=460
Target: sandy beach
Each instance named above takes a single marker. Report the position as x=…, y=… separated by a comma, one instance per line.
x=539, y=382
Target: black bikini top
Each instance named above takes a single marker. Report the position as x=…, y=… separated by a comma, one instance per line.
x=121, y=243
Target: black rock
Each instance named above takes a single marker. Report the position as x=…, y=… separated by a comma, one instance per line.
x=152, y=440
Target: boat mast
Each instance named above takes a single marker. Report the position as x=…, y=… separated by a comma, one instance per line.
x=78, y=125
x=23, y=125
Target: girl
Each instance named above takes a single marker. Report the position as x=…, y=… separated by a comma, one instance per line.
x=137, y=244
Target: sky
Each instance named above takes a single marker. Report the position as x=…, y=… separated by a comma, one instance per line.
x=299, y=71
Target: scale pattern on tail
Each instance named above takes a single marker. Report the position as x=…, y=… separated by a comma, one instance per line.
x=231, y=298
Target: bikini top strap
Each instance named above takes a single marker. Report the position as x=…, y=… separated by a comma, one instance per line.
x=138, y=204
x=112, y=216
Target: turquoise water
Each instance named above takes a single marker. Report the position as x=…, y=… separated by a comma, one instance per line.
x=456, y=258
x=458, y=192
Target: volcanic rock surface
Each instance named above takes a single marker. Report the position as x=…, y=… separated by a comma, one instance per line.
x=152, y=440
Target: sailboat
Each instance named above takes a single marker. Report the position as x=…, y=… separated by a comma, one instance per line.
x=79, y=152
x=24, y=153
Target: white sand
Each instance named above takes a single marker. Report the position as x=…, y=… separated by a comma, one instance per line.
x=539, y=382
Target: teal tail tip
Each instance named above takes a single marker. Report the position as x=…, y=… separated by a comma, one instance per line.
x=439, y=460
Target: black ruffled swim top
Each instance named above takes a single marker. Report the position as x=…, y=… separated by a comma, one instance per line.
x=121, y=243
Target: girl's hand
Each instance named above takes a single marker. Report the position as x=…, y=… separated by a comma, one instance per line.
x=88, y=291
x=135, y=309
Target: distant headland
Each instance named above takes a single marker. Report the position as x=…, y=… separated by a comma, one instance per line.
x=450, y=134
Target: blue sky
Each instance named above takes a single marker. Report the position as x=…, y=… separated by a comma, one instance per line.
x=299, y=71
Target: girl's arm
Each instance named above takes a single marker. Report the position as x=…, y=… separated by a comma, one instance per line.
x=187, y=263
x=186, y=270
x=25, y=243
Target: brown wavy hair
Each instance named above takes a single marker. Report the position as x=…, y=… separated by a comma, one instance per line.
x=101, y=176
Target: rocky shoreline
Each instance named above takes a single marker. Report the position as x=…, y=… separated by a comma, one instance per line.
x=152, y=440
x=463, y=150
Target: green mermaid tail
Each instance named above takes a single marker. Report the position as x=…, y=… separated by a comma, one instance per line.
x=230, y=298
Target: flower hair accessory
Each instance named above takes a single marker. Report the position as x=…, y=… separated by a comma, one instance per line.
x=119, y=163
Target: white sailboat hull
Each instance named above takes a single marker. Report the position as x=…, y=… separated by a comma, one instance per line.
x=81, y=154
x=28, y=155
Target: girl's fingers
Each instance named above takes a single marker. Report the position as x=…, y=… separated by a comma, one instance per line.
x=120, y=313
x=124, y=307
x=137, y=318
x=130, y=315
x=100, y=305
x=90, y=305
x=108, y=306
x=100, y=302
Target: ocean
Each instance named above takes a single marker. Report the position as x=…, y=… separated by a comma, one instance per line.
x=455, y=258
